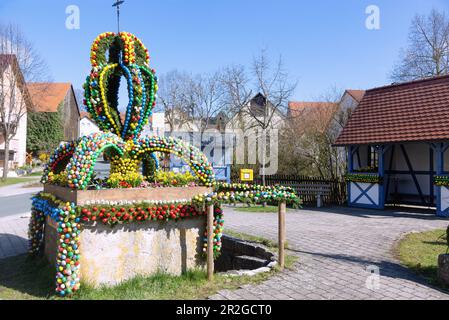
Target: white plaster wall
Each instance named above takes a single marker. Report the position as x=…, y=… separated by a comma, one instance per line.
x=348, y=103
x=373, y=193
x=420, y=160
x=87, y=127
x=157, y=126
x=444, y=198
x=18, y=142
x=245, y=121
x=21, y=137
x=158, y=120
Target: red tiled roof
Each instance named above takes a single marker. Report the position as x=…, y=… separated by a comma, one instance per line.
x=311, y=115
x=48, y=96
x=407, y=112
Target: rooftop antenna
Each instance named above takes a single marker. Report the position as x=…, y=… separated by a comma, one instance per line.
x=117, y=4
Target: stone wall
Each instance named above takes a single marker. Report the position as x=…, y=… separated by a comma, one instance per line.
x=51, y=240
x=443, y=269
x=112, y=255
x=242, y=255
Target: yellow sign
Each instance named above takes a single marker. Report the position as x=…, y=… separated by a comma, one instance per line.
x=246, y=175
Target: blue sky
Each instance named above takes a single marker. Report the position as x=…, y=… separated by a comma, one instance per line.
x=324, y=43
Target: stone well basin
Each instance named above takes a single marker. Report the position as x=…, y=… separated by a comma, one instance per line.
x=113, y=255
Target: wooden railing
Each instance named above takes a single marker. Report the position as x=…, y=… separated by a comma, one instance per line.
x=333, y=192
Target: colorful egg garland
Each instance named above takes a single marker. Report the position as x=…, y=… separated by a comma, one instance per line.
x=68, y=228
x=69, y=218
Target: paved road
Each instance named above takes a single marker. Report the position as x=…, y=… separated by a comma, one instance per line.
x=337, y=248
x=102, y=169
x=13, y=205
x=13, y=235
x=16, y=199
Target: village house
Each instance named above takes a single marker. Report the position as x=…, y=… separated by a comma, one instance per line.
x=310, y=116
x=258, y=111
x=397, y=141
x=12, y=76
x=37, y=97
x=350, y=100
x=51, y=97
x=321, y=116
x=156, y=125
x=87, y=126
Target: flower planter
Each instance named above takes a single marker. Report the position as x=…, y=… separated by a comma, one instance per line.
x=112, y=255
x=443, y=268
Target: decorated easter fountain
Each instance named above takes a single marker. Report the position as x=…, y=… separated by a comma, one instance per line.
x=105, y=231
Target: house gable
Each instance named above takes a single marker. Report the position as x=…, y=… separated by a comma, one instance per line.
x=407, y=112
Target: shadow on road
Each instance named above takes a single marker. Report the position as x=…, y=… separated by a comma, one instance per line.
x=411, y=213
x=387, y=268
x=25, y=277
x=12, y=245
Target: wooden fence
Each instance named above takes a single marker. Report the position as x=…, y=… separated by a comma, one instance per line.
x=333, y=192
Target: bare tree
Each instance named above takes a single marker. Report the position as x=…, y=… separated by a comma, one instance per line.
x=336, y=156
x=18, y=63
x=174, y=98
x=271, y=82
x=238, y=93
x=427, y=54
x=207, y=99
x=307, y=139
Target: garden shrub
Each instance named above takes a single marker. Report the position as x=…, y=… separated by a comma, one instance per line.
x=175, y=179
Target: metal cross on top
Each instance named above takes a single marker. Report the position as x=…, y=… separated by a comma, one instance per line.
x=117, y=4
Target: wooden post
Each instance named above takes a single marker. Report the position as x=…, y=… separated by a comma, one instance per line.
x=210, y=242
x=281, y=235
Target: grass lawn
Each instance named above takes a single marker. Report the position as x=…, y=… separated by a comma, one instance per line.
x=32, y=278
x=35, y=174
x=271, y=209
x=420, y=251
x=11, y=181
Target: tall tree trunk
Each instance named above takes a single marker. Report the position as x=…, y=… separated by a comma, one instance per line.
x=264, y=150
x=264, y=147
x=6, y=161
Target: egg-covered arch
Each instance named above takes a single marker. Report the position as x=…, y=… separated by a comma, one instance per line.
x=59, y=159
x=194, y=158
x=81, y=166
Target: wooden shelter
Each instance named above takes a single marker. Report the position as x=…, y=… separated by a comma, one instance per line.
x=397, y=141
